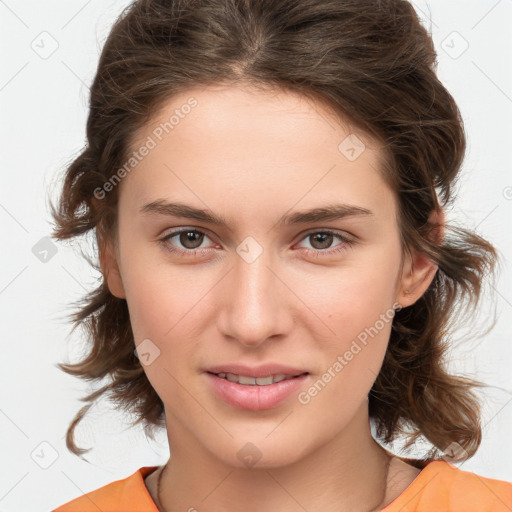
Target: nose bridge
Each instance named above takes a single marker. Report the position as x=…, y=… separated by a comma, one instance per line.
x=254, y=306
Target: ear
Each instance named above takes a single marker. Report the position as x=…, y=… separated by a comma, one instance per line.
x=419, y=270
x=110, y=268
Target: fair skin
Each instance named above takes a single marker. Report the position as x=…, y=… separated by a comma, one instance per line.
x=251, y=157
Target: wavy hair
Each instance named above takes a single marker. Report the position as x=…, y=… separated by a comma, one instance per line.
x=373, y=63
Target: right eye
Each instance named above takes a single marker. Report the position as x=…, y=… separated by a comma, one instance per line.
x=185, y=237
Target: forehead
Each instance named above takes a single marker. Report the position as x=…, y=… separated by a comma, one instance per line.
x=218, y=108
x=265, y=147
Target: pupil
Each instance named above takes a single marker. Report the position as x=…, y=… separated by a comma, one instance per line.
x=190, y=236
x=324, y=236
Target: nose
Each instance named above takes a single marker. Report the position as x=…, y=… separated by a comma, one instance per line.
x=255, y=302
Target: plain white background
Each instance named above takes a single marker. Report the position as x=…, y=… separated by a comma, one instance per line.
x=49, y=55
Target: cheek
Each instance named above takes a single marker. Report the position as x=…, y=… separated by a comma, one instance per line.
x=151, y=310
x=162, y=320
x=351, y=363
x=360, y=306
x=355, y=298
x=158, y=294
x=166, y=314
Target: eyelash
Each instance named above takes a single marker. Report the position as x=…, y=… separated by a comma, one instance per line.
x=347, y=243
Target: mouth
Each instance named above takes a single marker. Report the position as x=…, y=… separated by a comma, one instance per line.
x=268, y=390
x=246, y=380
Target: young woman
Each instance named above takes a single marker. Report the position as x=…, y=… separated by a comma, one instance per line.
x=266, y=181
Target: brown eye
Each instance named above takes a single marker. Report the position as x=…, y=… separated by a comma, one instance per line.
x=321, y=243
x=321, y=240
x=186, y=242
x=191, y=239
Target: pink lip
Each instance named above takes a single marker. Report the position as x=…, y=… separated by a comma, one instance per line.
x=256, y=371
x=254, y=398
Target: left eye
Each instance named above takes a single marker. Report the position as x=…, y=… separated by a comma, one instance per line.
x=323, y=239
x=192, y=239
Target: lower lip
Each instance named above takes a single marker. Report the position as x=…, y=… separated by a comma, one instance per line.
x=255, y=398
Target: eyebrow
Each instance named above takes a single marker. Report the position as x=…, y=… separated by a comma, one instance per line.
x=324, y=213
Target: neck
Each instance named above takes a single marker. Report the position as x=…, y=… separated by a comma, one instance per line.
x=348, y=473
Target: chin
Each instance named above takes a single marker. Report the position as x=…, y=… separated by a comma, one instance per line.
x=260, y=453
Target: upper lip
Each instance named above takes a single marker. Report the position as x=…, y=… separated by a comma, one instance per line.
x=264, y=370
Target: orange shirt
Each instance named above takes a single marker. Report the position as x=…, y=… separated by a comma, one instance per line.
x=439, y=487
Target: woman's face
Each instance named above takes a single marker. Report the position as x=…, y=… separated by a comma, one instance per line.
x=313, y=293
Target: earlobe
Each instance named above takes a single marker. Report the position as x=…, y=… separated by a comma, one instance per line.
x=111, y=271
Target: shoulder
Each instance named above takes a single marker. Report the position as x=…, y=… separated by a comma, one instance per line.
x=443, y=486
x=126, y=495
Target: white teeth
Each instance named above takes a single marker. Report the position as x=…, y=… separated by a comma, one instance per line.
x=253, y=381
x=242, y=379
x=262, y=381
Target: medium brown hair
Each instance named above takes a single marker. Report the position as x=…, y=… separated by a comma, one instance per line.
x=373, y=63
